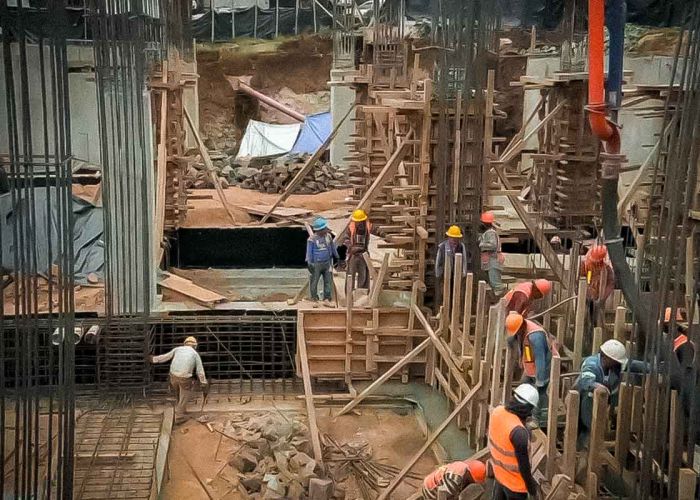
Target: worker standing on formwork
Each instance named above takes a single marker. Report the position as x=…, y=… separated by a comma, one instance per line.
x=536, y=347
x=491, y=257
x=521, y=297
x=604, y=371
x=447, y=251
x=508, y=440
x=320, y=252
x=185, y=362
x=599, y=274
x=453, y=478
x=684, y=352
x=358, y=246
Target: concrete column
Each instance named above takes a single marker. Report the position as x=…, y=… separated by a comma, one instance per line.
x=342, y=99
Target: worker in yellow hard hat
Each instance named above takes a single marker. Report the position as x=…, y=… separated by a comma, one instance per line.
x=357, y=244
x=185, y=362
x=447, y=251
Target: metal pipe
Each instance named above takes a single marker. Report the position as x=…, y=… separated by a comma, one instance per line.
x=238, y=85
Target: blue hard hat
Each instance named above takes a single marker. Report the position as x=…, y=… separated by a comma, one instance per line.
x=319, y=223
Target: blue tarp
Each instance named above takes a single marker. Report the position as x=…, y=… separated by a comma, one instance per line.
x=314, y=132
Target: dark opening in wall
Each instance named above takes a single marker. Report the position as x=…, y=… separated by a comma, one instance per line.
x=241, y=247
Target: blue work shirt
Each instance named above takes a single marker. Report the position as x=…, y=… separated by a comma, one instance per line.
x=543, y=357
x=321, y=248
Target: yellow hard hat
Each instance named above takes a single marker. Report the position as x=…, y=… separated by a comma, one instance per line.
x=190, y=341
x=359, y=215
x=454, y=232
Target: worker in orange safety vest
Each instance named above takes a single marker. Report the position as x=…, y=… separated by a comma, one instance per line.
x=358, y=245
x=509, y=445
x=453, y=477
x=536, y=348
x=684, y=351
x=521, y=297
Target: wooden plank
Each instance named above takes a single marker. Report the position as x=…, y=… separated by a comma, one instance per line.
x=456, y=304
x=619, y=328
x=580, y=322
x=675, y=438
x=308, y=396
x=431, y=439
x=599, y=424
x=467, y=313
x=379, y=282
x=552, y=413
x=308, y=166
x=189, y=289
x=162, y=452
x=572, y=402
x=209, y=166
x=687, y=484
x=479, y=328
x=624, y=423
x=161, y=173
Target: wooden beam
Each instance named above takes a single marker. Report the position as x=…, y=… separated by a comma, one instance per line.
x=580, y=323
x=431, y=439
x=378, y=283
x=308, y=396
x=552, y=414
x=209, y=166
x=599, y=424
x=161, y=172
x=385, y=376
x=624, y=424
x=687, y=484
x=308, y=166
x=467, y=312
x=572, y=402
x=457, y=282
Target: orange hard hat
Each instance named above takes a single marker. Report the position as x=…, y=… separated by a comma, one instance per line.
x=513, y=322
x=544, y=286
x=477, y=470
x=598, y=253
x=487, y=218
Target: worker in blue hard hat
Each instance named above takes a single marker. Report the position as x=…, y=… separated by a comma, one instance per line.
x=320, y=252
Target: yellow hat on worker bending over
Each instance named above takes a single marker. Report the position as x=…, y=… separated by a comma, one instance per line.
x=359, y=215
x=190, y=341
x=454, y=232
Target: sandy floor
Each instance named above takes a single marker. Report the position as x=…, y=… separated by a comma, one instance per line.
x=211, y=213
x=394, y=439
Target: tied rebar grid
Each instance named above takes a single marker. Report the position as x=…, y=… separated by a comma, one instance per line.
x=674, y=192
x=36, y=420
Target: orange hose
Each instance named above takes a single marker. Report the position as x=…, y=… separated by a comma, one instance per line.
x=596, y=82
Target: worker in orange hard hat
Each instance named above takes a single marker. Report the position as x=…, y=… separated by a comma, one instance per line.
x=453, y=478
x=520, y=298
x=358, y=247
x=599, y=274
x=536, y=347
x=684, y=351
x=491, y=256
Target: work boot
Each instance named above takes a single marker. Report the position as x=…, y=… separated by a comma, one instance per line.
x=314, y=303
x=327, y=303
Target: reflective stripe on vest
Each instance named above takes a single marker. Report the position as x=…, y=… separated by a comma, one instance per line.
x=434, y=479
x=525, y=288
x=679, y=341
x=505, y=464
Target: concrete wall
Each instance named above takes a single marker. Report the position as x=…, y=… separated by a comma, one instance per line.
x=342, y=99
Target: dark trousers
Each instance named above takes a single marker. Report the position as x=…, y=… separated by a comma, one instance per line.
x=500, y=492
x=358, y=272
x=318, y=270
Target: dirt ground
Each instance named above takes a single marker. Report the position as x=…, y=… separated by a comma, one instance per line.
x=210, y=212
x=394, y=439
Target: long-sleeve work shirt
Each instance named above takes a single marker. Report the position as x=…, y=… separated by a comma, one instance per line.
x=185, y=360
x=447, y=251
x=321, y=248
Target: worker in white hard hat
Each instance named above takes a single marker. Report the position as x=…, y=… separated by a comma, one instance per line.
x=508, y=440
x=604, y=371
x=185, y=362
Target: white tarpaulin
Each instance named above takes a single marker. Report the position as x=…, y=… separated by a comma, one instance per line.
x=266, y=139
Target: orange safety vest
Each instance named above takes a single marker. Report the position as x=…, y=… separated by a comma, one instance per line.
x=528, y=358
x=505, y=465
x=525, y=287
x=359, y=240
x=434, y=479
x=679, y=341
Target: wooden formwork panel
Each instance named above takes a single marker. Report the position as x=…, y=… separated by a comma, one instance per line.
x=378, y=339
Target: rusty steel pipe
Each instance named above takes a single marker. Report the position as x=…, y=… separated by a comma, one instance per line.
x=239, y=85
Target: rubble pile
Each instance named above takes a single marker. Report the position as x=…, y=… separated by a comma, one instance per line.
x=267, y=175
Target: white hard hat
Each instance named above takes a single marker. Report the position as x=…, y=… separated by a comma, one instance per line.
x=616, y=350
x=527, y=393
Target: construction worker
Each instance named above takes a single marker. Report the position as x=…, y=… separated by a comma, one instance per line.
x=684, y=352
x=508, y=440
x=358, y=246
x=320, y=252
x=536, y=347
x=491, y=256
x=453, y=477
x=447, y=251
x=602, y=370
x=520, y=298
x=185, y=361
x=599, y=274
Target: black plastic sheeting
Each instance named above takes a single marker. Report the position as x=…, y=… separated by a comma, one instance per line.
x=267, y=23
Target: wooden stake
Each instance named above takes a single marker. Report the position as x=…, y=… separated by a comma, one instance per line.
x=619, y=328
x=467, y=313
x=552, y=411
x=687, y=484
x=580, y=323
x=456, y=303
x=597, y=338
x=675, y=447
x=572, y=402
x=379, y=282
x=308, y=396
x=479, y=328
x=161, y=169
x=599, y=424
x=624, y=423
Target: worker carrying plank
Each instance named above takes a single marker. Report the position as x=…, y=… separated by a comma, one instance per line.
x=357, y=244
x=602, y=370
x=599, y=274
x=320, y=252
x=185, y=362
x=508, y=441
x=491, y=257
x=521, y=297
x=536, y=347
x=453, y=478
